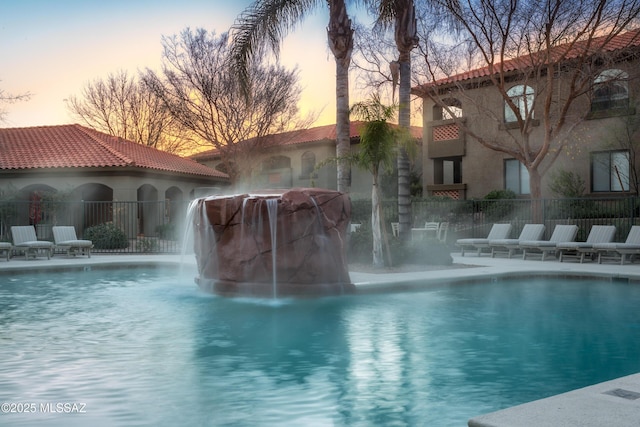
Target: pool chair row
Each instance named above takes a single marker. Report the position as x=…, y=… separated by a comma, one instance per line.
x=25, y=241
x=561, y=244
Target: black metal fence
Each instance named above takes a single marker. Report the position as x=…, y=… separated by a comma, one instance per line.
x=157, y=227
x=474, y=218
x=115, y=227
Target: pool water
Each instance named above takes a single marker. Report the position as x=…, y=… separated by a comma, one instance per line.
x=147, y=348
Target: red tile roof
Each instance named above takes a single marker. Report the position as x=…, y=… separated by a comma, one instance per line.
x=76, y=146
x=305, y=136
x=563, y=52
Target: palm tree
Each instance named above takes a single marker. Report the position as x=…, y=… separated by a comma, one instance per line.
x=402, y=14
x=266, y=22
x=377, y=150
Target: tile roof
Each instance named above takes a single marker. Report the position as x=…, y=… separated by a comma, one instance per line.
x=562, y=52
x=305, y=136
x=76, y=146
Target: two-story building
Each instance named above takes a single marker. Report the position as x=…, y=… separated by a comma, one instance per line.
x=601, y=130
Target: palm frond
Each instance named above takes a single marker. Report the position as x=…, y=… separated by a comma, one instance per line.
x=264, y=24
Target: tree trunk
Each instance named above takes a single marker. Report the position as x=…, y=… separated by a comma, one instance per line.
x=378, y=257
x=535, y=187
x=340, y=36
x=404, y=181
x=406, y=39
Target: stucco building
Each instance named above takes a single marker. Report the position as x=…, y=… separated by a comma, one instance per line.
x=79, y=164
x=291, y=159
x=601, y=124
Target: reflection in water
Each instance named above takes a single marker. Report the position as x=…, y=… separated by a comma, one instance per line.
x=145, y=347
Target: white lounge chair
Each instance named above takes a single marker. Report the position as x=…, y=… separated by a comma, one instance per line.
x=529, y=232
x=498, y=231
x=631, y=246
x=561, y=233
x=5, y=249
x=24, y=239
x=598, y=234
x=65, y=237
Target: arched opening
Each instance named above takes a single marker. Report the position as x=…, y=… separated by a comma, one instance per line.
x=148, y=209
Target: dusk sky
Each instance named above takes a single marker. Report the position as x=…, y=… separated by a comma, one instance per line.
x=53, y=48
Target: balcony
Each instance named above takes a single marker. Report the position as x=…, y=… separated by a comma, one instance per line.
x=445, y=139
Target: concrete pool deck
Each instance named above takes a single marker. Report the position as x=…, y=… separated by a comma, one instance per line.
x=612, y=403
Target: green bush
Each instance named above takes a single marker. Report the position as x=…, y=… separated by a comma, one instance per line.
x=147, y=244
x=106, y=236
x=495, y=208
x=567, y=184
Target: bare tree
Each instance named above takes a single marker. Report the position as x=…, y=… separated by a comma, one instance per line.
x=123, y=106
x=7, y=98
x=204, y=95
x=553, y=50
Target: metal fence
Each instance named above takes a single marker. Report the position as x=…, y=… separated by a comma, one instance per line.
x=115, y=227
x=474, y=218
x=157, y=227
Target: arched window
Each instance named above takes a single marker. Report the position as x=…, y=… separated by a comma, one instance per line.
x=522, y=96
x=610, y=90
x=308, y=161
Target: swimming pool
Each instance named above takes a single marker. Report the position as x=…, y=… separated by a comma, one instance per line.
x=146, y=347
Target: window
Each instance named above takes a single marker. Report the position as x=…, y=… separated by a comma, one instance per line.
x=308, y=164
x=522, y=96
x=447, y=170
x=610, y=171
x=610, y=90
x=516, y=177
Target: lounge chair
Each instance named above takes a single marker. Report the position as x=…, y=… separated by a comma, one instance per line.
x=65, y=237
x=561, y=233
x=498, y=231
x=598, y=234
x=24, y=239
x=630, y=247
x=529, y=232
x=5, y=249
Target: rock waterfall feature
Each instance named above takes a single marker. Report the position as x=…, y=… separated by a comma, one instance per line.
x=273, y=244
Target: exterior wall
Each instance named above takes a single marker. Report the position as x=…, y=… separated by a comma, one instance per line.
x=107, y=185
x=325, y=177
x=483, y=169
x=125, y=186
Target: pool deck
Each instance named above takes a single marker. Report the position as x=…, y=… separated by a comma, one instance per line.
x=613, y=403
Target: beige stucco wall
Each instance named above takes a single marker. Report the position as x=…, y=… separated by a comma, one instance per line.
x=483, y=112
x=124, y=185
x=325, y=177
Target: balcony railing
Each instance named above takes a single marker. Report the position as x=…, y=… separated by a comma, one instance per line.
x=446, y=140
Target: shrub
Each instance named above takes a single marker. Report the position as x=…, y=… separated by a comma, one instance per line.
x=567, y=184
x=495, y=208
x=147, y=244
x=106, y=236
